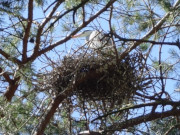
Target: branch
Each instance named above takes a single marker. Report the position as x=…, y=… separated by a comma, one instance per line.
x=160, y=102
x=13, y=85
x=66, y=12
x=5, y=75
x=147, y=41
x=10, y=58
x=150, y=33
x=27, y=30
x=144, y=118
x=44, y=22
x=145, y=96
x=173, y=127
x=50, y=5
x=35, y=55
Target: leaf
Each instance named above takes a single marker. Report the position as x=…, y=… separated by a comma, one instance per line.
x=165, y=4
x=144, y=47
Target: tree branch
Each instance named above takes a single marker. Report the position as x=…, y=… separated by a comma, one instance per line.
x=66, y=12
x=151, y=32
x=160, y=102
x=44, y=22
x=13, y=85
x=146, y=41
x=27, y=30
x=10, y=58
x=145, y=118
x=5, y=75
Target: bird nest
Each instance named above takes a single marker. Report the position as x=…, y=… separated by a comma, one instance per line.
x=99, y=78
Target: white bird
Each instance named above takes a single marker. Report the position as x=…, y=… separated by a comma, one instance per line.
x=177, y=90
x=87, y=132
x=57, y=14
x=96, y=39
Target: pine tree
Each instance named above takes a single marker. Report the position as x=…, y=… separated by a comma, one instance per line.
x=52, y=83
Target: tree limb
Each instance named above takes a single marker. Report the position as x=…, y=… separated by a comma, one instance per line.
x=146, y=41
x=13, y=85
x=160, y=102
x=66, y=12
x=9, y=57
x=145, y=118
x=44, y=22
x=27, y=30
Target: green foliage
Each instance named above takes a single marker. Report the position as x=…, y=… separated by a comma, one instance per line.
x=40, y=2
x=144, y=47
x=10, y=6
x=165, y=4
x=6, y=4
x=130, y=3
x=59, y=125
x=14, y=115
x=161, y=126
x=71, y=3
x=174, y=54
x=10, y=45
x=166, y=66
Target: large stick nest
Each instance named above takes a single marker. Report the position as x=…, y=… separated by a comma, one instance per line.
x=103, y=78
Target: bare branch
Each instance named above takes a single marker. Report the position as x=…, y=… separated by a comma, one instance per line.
x=13, y=85
x=66, y=12
x=27, y=30
x=10, y=58
x=145, y=41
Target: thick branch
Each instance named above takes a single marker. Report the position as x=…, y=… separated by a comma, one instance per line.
x=27, y=30
x=5, y=75
x=161, y=102
x=13, y=85
x=8, y=57
x=145, y=118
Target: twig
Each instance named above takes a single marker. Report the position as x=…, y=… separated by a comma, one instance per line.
x=146, y=41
